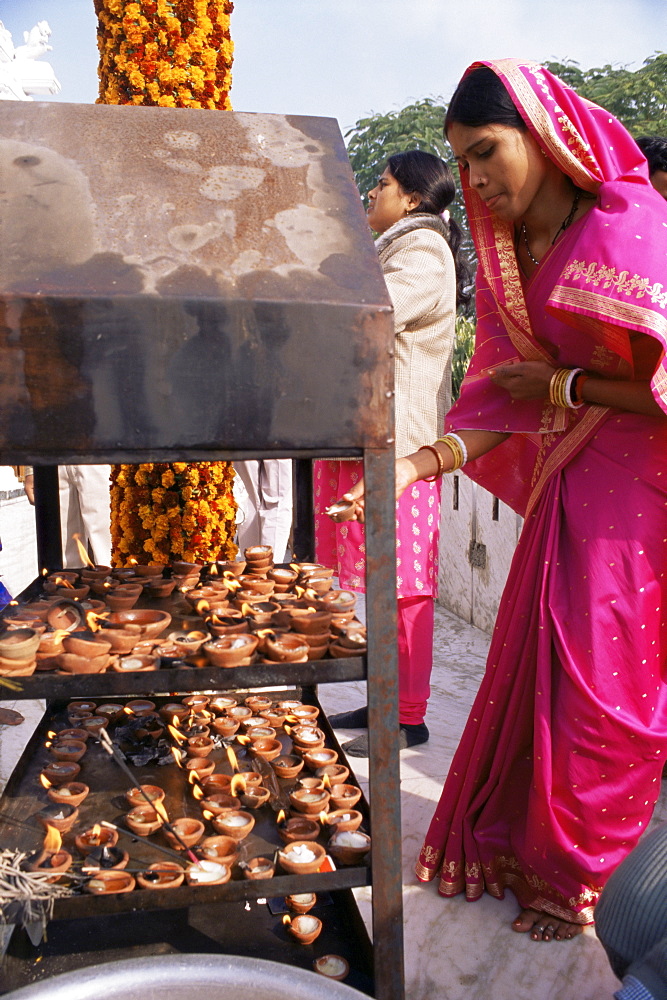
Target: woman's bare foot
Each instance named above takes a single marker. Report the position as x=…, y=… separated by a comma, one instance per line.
x=543, y=927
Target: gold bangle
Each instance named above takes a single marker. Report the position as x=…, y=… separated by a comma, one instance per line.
x=557, y=387
x=441, y=462
x=456, y=450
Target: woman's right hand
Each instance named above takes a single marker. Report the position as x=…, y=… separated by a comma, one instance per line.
x=405, y=476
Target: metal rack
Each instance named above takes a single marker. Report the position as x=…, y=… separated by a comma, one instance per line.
x=183, y=286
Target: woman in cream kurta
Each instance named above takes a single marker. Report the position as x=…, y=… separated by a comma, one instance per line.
x=418, y=252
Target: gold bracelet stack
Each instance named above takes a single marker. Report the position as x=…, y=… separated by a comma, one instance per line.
x=458, y=450
x=560, y=388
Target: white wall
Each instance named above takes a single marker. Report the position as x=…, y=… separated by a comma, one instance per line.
x=18, y=558
x=478, y=535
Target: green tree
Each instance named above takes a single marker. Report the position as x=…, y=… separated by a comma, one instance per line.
x=638, y=98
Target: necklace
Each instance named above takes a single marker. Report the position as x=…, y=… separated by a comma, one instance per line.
x=567, y=221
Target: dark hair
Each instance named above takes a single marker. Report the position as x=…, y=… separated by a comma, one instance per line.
x=430, y=178
x=654, y=148
x=481, y=98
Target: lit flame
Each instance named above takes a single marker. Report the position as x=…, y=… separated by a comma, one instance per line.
x=231, y=757
x=288, y=729
x=45, y=781
x=95, y=834
x=94, y=622
x=59, y=635
x=128, y=710
x=132, y=561
x=294, y=566
x=206, y=814
x=175, y=735
x=52, y=841
x=202, y=606
x=160, y=810
x=60, y=581
x=299, y=591
x=45, y=572
x=238, y=784
x=280, y=818
x=213, y=570
x=85, y=558
x=263, y=632
x=51, y=735
x=231, y=581
x=324, y=819
x=194, y=777
x=246, y=609
x=243, y=740
x=197, y=792
x=326, y=783
x=312, y=595
x=175, y=754
x=287, y=920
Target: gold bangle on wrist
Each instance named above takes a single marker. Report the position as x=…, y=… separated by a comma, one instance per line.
x=453, y=443
x=441, y=462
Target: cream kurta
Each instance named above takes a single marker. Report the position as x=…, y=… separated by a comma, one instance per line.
x=419, y=271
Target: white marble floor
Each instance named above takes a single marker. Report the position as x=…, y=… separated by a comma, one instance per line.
x=454, y=949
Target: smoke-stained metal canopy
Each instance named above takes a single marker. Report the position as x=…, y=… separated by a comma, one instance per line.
x=175, y=280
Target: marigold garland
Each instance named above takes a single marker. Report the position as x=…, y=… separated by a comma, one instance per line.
x=173, y=53
x=170, y=53
x=166, y=511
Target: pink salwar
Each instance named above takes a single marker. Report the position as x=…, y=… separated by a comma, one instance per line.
x=342, y=546
x=559, y=766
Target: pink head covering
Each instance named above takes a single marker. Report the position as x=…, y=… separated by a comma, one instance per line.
x=617, y=281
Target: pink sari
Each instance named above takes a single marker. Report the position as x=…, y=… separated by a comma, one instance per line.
x=559, y=766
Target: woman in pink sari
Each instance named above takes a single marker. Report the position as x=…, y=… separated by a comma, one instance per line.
x=562, y=415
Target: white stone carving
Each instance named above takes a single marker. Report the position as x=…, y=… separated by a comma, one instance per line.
x=21, y=75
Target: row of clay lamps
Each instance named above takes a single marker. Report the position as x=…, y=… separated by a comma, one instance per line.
x=227, y=801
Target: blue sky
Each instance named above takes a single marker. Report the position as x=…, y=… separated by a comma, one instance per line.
x=348, y=58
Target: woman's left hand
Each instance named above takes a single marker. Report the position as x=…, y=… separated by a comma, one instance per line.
x=524, y=379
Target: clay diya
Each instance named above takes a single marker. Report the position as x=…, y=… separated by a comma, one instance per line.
x=199, y=746
x=110, y=710
x=68, y=749
x=73, y=664
x=136, y=797
x=311, y=801
x=350, y=846
x=58, y=815
x=301, y=902
x=109, y=882
x=143, y=820
x=200, y=765
x=298, y=828
x=150, y=623
x=95, y=836
x=160, y=588
x=305, y=928
x=140, y=706
x=190, y=831
x=319, y=758
x=219, y=802
x=19, y=644
x=282, y=578
x=219, y=848
x=256, y=729
x=287, y=765
x=95, y=723
x=221, y=703
x=287, y=648
x=161, y=875
x=207, y=872
x=65, y=614
x=253, y=798
x=307, y=737
x=302, y=857
x=265, y=749
x=73, y=793
x=235, y=824
x=258, y=868
x=339, y=652
x=215, y=783
x=142, y=569
x=61, y=772
x=174, y=713
x=258, y=703
x=225, y=726
x=18, y=668
x=134, y=662
x=345, y=796
x=231, y=651
x=344, y=819
x=336, y=773
x=332, y=966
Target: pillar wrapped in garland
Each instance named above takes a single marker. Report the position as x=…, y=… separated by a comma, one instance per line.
x=176, y=54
